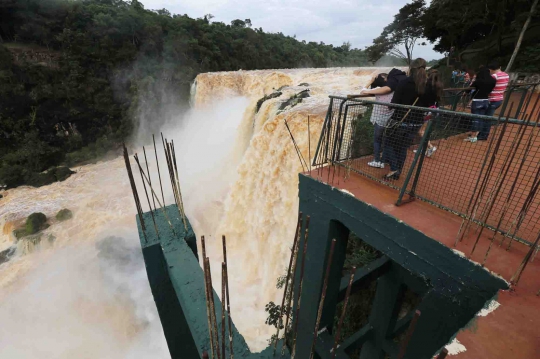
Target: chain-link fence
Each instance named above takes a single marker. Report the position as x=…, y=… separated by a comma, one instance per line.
x=485, y=169
x=519, y=96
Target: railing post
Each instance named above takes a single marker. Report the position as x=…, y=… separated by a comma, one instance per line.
x=339, y=140
x=420, y=153
x=429, y=130
x=457, y=97
x=338, y=128
x=326, y=124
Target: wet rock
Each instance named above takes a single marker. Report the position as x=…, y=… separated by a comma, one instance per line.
x=265, y=98
x=64, y=215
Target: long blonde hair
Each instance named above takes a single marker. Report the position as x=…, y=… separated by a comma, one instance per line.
x=419, y=75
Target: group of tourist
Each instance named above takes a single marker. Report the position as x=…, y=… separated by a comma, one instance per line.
x=395, y=128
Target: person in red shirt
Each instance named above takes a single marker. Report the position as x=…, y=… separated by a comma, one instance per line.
x=496, y=96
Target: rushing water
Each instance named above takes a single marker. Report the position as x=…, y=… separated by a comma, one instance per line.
x=80, y=293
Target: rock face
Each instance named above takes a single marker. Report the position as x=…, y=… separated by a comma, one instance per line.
x=7, y=254
x=35, y=223
x=56, y=174
x=64, y=215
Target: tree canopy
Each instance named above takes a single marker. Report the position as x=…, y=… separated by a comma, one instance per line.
x=404, y=31
x=476, y=31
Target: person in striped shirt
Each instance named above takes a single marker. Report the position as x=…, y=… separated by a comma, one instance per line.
x=496, y=96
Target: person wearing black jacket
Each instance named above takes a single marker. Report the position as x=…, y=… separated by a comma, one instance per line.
x=414, y=90
x=395, y=76
x=484, y=84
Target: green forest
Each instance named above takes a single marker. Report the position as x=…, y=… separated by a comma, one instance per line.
x=73, y=73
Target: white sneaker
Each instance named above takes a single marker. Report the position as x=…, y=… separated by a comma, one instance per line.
x=471, y=139
x=376, y=164
x=431, y=151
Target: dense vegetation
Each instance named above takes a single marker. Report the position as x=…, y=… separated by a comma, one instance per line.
x=75, y=74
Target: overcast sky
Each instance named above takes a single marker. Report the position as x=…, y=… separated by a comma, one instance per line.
x=330, y=21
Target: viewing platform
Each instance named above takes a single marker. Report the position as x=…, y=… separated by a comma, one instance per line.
x=510, y=331
x=478, y=199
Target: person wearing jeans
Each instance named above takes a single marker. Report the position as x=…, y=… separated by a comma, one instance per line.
x=379, y=118
x=378, y=135
x=484, y=84
x=493, y=106
x=480, y=126
x=396, y=145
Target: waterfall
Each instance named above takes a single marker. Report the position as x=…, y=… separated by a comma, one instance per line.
x=239, y=177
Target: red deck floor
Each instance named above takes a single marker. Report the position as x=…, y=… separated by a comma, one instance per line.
x=510, y=332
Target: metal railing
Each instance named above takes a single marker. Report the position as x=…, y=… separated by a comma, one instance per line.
x=459, y=99
x=492, y=181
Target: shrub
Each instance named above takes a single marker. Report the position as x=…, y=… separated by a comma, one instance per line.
x=35, y=223
x=64, y=215
x=11, y=175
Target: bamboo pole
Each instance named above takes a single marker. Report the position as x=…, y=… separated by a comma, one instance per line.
x=521, y=35
x=479, y=196
x=299, y=299
x=443, y=354
x=148, y=199
x=231, y=351
x=289, y=309
x=296, y=235
x=500, y=181
x=207, y=296
x=157, y=199
x=158, y=171
x=223, y=268
x=341, y=319
x=517, y=275
x=178, y=185
x=212, y=308
x=149, y=177
x=323, y=296
x=134, y=190
x=408, y=336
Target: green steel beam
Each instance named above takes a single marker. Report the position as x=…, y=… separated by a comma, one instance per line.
x=364, y=275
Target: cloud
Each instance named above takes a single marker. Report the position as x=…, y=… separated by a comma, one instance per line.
x=332, y=22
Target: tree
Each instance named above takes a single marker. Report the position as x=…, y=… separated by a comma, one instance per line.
x=404, y=31
x=478, y=30
x=238, y=23
x=521, y=35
